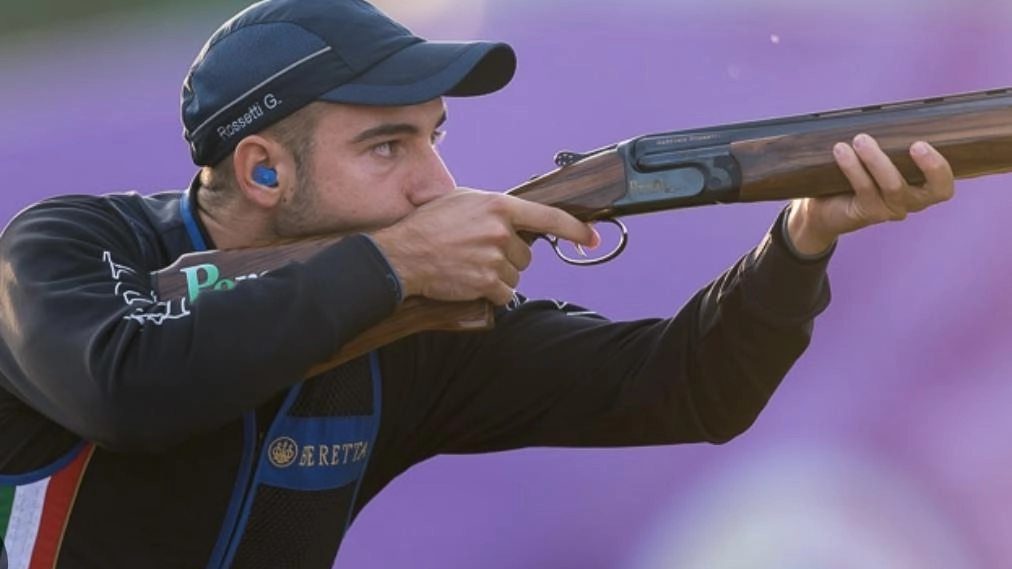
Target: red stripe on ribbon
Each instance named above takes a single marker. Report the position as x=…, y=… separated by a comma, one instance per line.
x=60, y=495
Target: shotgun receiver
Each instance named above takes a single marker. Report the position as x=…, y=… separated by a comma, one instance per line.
x=768, y=160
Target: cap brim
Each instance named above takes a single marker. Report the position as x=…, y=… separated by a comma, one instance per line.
x=426, y=70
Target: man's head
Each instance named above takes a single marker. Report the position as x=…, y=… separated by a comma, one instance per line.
x=295, y=85
x=277, y=56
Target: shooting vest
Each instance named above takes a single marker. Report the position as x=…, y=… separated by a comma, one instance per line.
x=304, y=480
x=302, y=476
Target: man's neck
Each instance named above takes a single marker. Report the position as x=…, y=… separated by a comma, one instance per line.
x=229, y=224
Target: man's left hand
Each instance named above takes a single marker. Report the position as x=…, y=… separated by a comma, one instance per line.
x=880, y=194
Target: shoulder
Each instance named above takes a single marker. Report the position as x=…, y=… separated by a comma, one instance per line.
x=127, y=224
x=109, y=208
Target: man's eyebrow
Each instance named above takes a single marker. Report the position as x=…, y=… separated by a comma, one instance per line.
x=390, y=129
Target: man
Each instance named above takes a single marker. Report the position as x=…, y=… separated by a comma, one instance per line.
x=135, y=435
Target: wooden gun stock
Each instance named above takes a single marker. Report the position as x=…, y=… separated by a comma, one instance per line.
x=769, y=160
x=224, y=269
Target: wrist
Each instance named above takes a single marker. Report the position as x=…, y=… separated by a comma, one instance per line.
x=388, y=244
x=802, y=238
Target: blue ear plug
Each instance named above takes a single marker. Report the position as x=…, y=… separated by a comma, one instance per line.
x=265, y=176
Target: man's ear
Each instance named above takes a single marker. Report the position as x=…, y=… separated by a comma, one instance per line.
x=264, y=171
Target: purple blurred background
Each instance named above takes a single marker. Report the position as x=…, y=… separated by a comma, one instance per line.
x=887, y=445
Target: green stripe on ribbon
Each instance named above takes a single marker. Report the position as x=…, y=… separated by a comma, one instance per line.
x=6, y=503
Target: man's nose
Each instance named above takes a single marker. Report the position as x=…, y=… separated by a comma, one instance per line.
x=433, y=179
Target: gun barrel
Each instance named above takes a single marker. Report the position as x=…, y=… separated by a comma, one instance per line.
x=790, y=157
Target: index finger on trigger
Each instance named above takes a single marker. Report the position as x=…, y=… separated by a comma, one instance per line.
x=544, y=219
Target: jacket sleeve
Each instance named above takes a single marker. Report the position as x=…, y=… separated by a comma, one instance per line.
x=86, y=343
x=552, y=374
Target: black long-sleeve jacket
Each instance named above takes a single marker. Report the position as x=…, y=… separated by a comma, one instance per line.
x=141, y=403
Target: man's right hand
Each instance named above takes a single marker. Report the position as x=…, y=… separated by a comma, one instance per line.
x=465, y=245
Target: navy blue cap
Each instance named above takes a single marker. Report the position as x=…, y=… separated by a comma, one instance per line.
x=277, y=56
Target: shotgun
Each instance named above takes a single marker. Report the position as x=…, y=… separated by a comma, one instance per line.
x=766, y=160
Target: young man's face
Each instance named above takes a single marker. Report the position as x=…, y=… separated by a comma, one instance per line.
x=370, y=167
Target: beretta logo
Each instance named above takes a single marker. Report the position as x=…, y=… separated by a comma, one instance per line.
x=282, y=452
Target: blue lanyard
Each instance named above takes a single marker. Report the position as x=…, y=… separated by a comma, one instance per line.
x=191, y=223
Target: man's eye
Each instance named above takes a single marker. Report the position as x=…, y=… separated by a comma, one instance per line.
x=438, y=136
x=386, y=149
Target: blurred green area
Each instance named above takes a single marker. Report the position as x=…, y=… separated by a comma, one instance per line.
x=18, y=16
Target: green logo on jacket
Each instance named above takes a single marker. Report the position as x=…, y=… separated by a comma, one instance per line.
x=208, y=277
